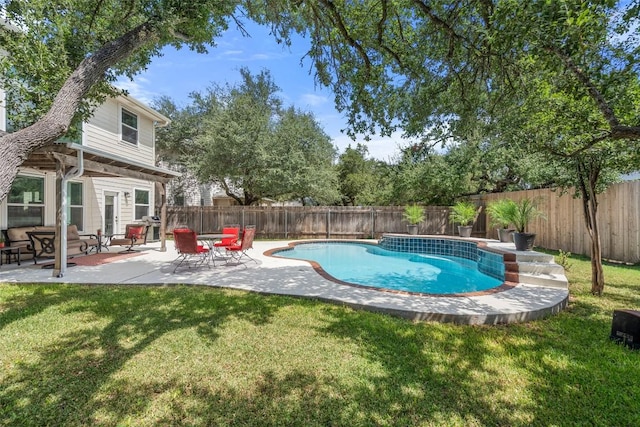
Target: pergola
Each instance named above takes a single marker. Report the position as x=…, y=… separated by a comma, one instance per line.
x=71, y=160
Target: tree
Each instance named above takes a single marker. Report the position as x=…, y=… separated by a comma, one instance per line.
x=307, y=172
x=241, y=138
x=418, y=65
x=359, y=177
x=62, y=56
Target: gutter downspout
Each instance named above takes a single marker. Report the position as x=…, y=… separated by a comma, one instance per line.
x=74, y=172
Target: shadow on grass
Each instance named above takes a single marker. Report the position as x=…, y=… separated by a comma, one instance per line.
x=559, y=371
x=57, y=387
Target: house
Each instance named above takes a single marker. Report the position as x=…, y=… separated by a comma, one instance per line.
x=114, y=160
x=187, y=191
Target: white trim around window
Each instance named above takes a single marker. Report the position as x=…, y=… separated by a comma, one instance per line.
x=75, y=204
x=129, y=126
x=141, y=203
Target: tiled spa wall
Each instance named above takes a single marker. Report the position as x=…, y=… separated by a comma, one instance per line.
x=489, y=263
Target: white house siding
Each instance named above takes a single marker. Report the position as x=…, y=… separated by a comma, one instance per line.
x=126, y=205
x=102, y=131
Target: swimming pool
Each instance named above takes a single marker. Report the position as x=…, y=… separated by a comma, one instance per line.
x=373, y=266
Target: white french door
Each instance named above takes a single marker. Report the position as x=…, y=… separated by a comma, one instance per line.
x=110, y=219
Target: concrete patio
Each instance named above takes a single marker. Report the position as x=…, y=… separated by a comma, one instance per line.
x=289, y=277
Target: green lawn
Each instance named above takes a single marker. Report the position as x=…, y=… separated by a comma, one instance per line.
x=187, y=355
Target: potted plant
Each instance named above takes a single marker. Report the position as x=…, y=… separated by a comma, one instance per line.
x=501, y=213
x=525, y=211
x=1, y=241
x=463, y=213
x=414, y=215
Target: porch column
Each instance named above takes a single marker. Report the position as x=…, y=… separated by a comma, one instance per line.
x=161, y=190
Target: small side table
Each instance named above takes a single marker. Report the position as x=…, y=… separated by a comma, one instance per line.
x=8, y=250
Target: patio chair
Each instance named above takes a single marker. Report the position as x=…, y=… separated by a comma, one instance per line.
x=190, y=252
x=239, y=250
x=178, y=229
x=227, y=241
x=135, y=235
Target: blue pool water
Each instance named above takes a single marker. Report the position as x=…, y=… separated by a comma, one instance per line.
x=370, y=265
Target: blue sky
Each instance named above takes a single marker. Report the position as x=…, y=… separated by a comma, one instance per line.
x=179, y=72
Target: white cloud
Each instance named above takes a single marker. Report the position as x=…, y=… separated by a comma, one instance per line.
x=313, y=100
x=384, y=148
x=261, y=57
x=137, y=89
x=232, y=52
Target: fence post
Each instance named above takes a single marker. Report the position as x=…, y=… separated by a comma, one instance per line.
x=373, y=224
x=286, y=229
x=328, y=223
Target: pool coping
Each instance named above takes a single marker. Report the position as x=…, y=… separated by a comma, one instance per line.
x=515, y=301
x=506, y=284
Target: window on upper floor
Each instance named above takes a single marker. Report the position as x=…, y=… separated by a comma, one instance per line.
x=129, y=126
x=25, y=203
x=74, y=134
x=141, y=201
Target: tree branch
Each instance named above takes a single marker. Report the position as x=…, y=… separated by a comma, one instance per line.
x=602, y=104
x=337, y=20
x=15, y=147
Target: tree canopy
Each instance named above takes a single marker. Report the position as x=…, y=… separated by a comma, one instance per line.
x=242, y=139
x=418, y=66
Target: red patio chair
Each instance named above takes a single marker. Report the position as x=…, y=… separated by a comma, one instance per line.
x=227, y=241
x=190, y=252
x=239, y=250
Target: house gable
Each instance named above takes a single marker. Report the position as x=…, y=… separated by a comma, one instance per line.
x=124, y=127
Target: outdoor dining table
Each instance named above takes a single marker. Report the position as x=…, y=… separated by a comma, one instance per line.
x=210, y=239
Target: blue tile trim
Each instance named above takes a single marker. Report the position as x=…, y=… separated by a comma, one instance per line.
x=489, y=263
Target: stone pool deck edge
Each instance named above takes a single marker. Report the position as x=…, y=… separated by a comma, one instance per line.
x=521, y=298
x=278, y=276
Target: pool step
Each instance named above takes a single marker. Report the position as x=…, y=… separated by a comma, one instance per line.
x=536, y=269
x=553, y=280
x=534, y=257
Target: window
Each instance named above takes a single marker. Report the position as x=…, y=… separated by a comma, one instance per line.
x=141, y=204
x=129, y=127
x=75, y=211
x=25, y=203
x=178, y=200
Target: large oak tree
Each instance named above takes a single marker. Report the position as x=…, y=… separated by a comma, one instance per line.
x=240, y=138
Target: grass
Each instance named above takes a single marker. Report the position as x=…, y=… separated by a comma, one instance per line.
x=185, y=355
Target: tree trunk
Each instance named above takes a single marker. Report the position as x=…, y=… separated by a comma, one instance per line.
x=590, y=210
x=597, y=273
x=15, y=147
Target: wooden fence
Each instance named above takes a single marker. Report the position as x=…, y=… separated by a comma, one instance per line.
x=312, y=222
x=564, y=227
